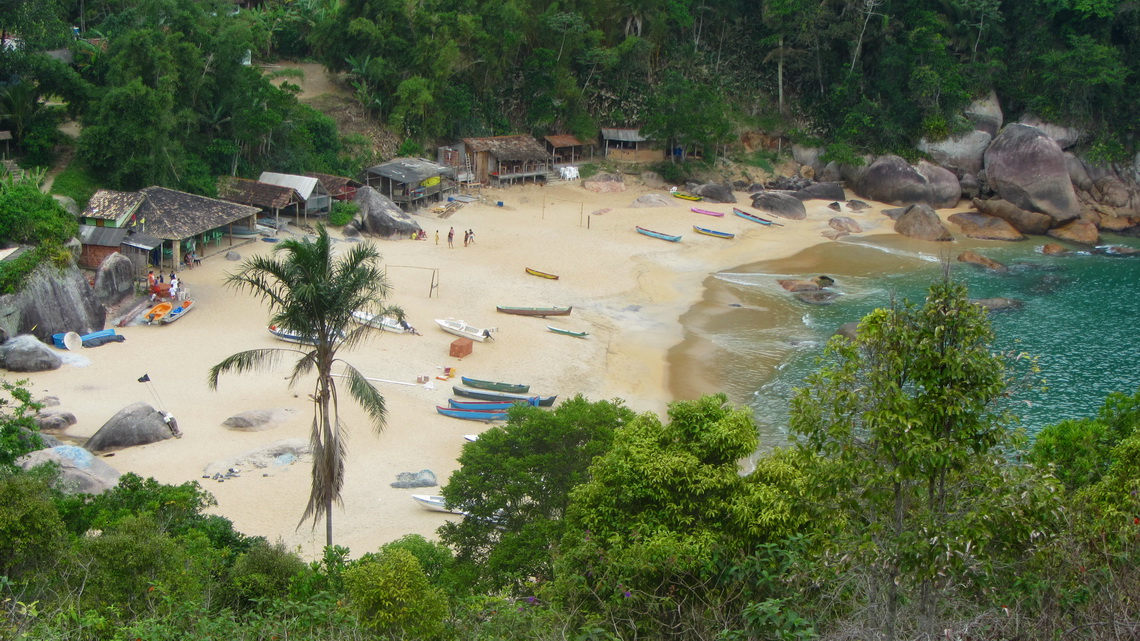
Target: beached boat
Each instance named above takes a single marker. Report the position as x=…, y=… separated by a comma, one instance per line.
x=657, y=234
x=535, y=311
x=291, y=336
x=567, y=332
x=466, y=404
x=181, y=310
x=713, y=232
x=489, y=395
x=471, y=437
x=433, y=502
x=472, y=415
x=94, y=339
x=386, y=323
x=535, y=272
x=754, y=218
x=460, y=328
x=158, y=312
x=517, y=388
x=684, y=196
x=705, y=212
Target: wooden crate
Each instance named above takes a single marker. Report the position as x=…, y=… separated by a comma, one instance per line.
x=461, y=347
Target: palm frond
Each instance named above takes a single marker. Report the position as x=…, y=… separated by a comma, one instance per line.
x=247, y=361
x=369, y=398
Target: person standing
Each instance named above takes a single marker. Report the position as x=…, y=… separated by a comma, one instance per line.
x=471, y=236
x=173, y=287
x=437, y=237
x=465, y=237
x=451, y=237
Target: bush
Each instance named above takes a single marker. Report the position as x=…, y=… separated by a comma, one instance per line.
x=392, y=595
x=342, y=213
x=673, y=172
x=264, y=572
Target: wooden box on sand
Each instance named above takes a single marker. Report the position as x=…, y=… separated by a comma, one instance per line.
x=461, y=347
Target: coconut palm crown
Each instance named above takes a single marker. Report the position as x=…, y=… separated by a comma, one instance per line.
x=312, y=291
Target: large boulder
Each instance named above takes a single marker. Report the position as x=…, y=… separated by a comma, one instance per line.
x=115, y=279
x=963, y=153
x=1113, y=192
x=715, y=192
x=652, y=180
x=1065, y=137
x=944, y=187
x=1026, y=222
x=974, y=258
x=985, y=114
x=278, y=454
x=652, y=200
x=604, y=183
x=52, y=301
x=68, y=203
x=137, y=424
x=25, y=353
x=80, y=472
x=821, y=191
x=257, y=420
x=970, y=186
x=53, y=420
x=799, y=284
x=1027, y=168
x=920, y=222
x=808, y=156
x=1078, y=231
x=831, y=173
x=780, y=204
x=845, y=224
x=1078, y=174
x=892, y=180
x=985, y=227
x=380, y=216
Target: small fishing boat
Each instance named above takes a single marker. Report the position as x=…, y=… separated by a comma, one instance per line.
x=181, y=310
x=706, y=212
x=567, y=332
x=464, y=404
x=713, y=232
x=517, y=388
x=535, y=311
x=460, y=328
x=386, y=323
x=471, y=437
x=433, y=502
x=754, y=218
x=94, y=339
x=291, y=336
x=158, y=312
x=535, y=272
x=489, y=395
x=657, y=234
x=684, y=196
x=473, y=415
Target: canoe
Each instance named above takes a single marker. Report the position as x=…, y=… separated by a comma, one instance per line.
x=713, y=232
x=463, y=404
x=535, y=272
x=386, y=323
x=460, y=328
x=158, y=312
x=473, y=415
x=706, y=212
x=488, y=395
x=290, y=336
x=535, y=311
x=567, y=332
x=516, y=388
x=682, y=196
x=433, y=502
x=94, y=339
x=184, y=308
x=754, y=218
x=471, y=437
x=657, y=234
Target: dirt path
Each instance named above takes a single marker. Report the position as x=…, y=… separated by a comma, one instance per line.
x=316, y=81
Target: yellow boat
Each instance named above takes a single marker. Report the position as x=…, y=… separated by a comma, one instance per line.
x=682, y=196
x=156, y=313
x=535, y=272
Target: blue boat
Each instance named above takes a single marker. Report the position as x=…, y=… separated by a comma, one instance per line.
x=473, y=415
x=657, y=234
x=754, y=218
x=94, y=339
x=488, y=395
x=460, y=404
x=713, y=232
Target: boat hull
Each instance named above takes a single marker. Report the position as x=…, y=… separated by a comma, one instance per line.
x=488, y=395
x=290, y=336
x=158, y=312
x=657, y=234
x=535, y=272
x=385, y=323
x=542, y=312
x=754, y=218
x=473, y=415
x=567, y=332
x=514, y=388
x=460, y=404
x=678, y=194
x=460, y=328
x=706, y=212
x=94, y=339
x=184, y=308
x=714, y=233
x=433, y=502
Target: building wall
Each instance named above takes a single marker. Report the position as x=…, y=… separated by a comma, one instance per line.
x=93, y=255
x=636, y=155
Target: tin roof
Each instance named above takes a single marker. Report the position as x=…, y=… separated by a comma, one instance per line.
x=520, y=147
x=101, y=236
x=563, y=140
x=108, y=204
x=258, y=194
x=409, y=170
x=305, y=185
x=624, y=135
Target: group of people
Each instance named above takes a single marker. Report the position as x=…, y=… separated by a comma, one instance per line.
x=468, y=237
x=153, y=281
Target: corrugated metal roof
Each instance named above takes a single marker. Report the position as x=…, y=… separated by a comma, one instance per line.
x=409, y=170
x=335, y=184
x=563, y=140
x=108, y=204
x=512, y=148
x=141, y=241
x=305, y=185
x=175, y=215
x=624, y=135
x=101, y=236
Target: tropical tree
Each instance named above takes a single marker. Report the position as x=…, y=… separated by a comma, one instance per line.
x=314, y=292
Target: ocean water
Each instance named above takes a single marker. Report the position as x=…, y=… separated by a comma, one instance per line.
x=1079, y=318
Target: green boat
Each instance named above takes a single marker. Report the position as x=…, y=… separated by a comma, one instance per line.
x=514, y=388
x=566, y=332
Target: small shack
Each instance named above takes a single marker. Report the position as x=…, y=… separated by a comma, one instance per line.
x=100, y=242
x=315, y=198
x=506, y=159
x=110, y=208
x=183, y=221
x=629, y=145
x=272, y=199
x=565, y=149
x=339, y=187
x=411, y=182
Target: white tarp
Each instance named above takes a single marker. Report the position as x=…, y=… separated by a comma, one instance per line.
x=569, y=173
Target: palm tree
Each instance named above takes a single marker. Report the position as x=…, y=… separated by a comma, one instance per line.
x=314, y=292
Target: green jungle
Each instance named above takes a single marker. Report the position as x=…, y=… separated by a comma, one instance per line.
x=908, y=506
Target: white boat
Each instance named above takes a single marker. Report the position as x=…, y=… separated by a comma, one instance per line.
x=471, y=437
x=433, y=502
x=460, y=328
x=291, y=336
x=386, y=323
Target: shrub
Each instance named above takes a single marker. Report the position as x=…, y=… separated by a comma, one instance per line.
x=264, y=572
x=342, y=213
x=392, y=595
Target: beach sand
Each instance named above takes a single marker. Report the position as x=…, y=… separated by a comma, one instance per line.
x=628, y=291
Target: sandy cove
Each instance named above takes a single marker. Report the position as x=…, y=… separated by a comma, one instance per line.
x=628, y=292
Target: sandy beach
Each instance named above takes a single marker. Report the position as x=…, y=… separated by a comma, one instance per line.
x=628, y=291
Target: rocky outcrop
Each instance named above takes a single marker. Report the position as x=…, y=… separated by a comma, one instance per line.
x=52, y=301
x=266, y=457
x=857, y=205
x=257, y=420
x=115, y=279
x=963, y=153
x=920, y=222
x=1112, y=192
x=894, y=212
x=1078, y=175
x=1026, y=222
x=845, y=224
x=848, y=330
x=1053, y=249
x=53, y=420
x=1027, y=168
x=817, y=298
x=25, y=353
x=423, y=478
x=380, y=216
x=798, y=285
x=1065, y=137
x=999, y=304
x=715, y=192
x=944, y=187
x=821, y=191
x=970, y=186
x=137, y=424
x=975, y=258
x=1078, y=231
x=80, y=472
x=985, y=227
x=652, y=180
x=780, y=204
x=652, y=200
x=605, y=183
x=892, y=180
x=985, y=114
x=808, y=156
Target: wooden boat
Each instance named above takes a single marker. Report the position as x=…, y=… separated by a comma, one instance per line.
x=706, y=212
x=460, y=328
x=291, y=336
x=386, y=323
x=754, y=218
x=535, y=311
x=516, y=388
x=473, y=415
x=567, y=332
x=535, y=272
x=471, y=437
x=489, y=395
x=684, y=196
x=463, y=404
x=94, y=339
x=657, y=234
x=183, y=309
x=433, y=502
x=713, y=232
x=158, y=312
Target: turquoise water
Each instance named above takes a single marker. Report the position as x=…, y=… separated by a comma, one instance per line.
x=1079, y=319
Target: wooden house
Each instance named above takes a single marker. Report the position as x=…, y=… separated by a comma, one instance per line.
x=112, y=223
x=411, y=182
x=272, y=199
x=315, y=198
x=184, y=221
x=109, y=208
x=506, y=159
x=565, y=149
x=629, y=145
x=339, y=187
